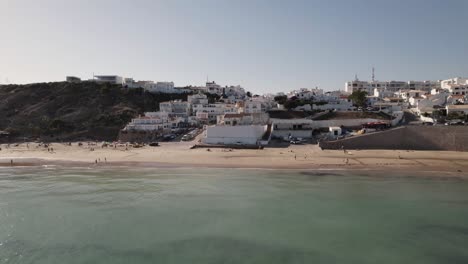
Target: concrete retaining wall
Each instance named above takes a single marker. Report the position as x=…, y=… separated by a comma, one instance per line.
x=453, y=138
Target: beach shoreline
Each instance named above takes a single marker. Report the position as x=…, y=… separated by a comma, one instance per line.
x=179, y=154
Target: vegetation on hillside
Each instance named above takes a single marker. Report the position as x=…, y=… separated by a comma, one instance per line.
x=293, y=102
x=359, y=98
x=73, y=111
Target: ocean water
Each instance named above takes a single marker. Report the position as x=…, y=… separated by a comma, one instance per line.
x=122, y=215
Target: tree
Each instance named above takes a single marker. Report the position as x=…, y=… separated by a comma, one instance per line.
x=281, y=99
x=359, y=98
x=249, y=94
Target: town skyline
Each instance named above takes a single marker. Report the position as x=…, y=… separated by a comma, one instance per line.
x=265, y=46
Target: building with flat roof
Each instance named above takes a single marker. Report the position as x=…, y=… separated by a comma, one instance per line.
x=114, y=79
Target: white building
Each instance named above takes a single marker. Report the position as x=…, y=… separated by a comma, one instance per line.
x=382, y=93
x=234, y=135
x=253, y=106
x=458, y=89
x=213, y=110
x=235, y=119
x=198, y=98
x=176, y=108
x=407, y=94
x=152, y=121
x=162, y=87
x=305, y=93
x=291, y=124
x=213, y=88
x=130, y=83
x=114, y=79
x=426, y=86
x=389, y=86
x=446, y=84
x=234, y=91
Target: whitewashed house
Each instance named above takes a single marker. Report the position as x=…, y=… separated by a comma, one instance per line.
x=176, y=107
x=214, y=110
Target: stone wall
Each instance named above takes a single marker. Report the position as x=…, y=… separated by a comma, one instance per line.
x=453, y=138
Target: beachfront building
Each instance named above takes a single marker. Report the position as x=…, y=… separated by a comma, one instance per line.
x=235, y=119
x=243, y=119
x=151, y=121
x=236, y=135
x=287, y=124
x=176, y=108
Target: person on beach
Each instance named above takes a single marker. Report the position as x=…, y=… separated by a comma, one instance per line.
x=11, y=162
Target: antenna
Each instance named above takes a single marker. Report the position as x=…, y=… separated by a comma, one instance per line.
x=373, y=74
x=355, y=77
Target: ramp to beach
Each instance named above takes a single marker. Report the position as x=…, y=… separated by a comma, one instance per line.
x=451, y=138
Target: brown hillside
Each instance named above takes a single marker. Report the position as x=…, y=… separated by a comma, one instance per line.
x=72, y=111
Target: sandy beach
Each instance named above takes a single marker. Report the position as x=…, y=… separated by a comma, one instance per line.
x=179, y=154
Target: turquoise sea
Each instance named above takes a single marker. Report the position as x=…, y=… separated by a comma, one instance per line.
x=123, y=215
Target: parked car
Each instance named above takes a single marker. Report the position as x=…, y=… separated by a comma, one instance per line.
x=154, y=144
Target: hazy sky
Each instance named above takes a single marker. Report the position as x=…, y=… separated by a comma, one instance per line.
x=263, y=45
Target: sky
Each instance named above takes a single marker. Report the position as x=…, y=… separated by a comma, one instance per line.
x=263, y=45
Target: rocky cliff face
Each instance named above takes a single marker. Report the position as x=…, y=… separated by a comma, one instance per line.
x=72, y=111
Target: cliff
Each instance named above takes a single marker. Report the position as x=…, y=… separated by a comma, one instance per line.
x=72, y=111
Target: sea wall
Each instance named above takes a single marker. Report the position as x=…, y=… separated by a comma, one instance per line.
x=453, y=138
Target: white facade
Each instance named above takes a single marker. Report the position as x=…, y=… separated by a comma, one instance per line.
x=252, y=107
x=382, y=93
x=458, y=89
x=305, y=93
x=446, y=84
x=114, y=79
x=150, y=122
x=235, y=91
x=213, y=88
x=176, y=107
x=235, y=119
x=390, y=86
x=162, y=87
x=213, y=110
x=234, y=135
x=198, y=98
